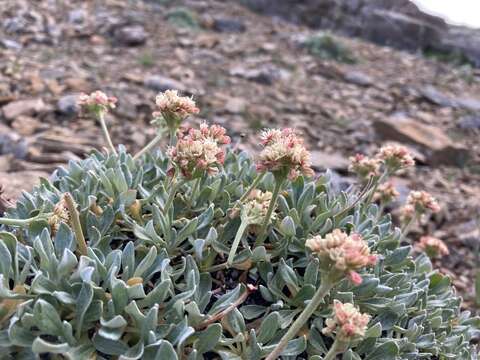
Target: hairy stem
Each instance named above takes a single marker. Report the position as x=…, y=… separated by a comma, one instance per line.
x=236, y=242
x=23, y=222
x=77, y=227
x=195, y=187
x=262, y=235
x=173, y=136
x=148, y=147
x=334, y=350
x=106, y=134
x=302, y=319
x=220, y=315
x=171, y=196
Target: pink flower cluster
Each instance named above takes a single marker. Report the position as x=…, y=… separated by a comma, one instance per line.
x=386, y=193
x=419, y=202
x=348, y=323
x=396, y=157
x=174, y=108
x=432, y=246
x=284, y=154
x=97, y=102
x=198, y=150
x=347, y=253
x=393, y=157
x=364, y=166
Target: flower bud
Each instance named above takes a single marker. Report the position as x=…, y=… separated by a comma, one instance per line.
x=60, y=214
x=284, y=154
x=198, y=150
x=386, y=193
x=344, y=253
x=174, y=108
x=97, y=102
x=364, y=166
x=422, y=202
x=432, y=246
x=395, y=157
x=256, y=206
x=347, y=323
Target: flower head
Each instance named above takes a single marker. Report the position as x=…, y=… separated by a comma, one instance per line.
x=198, y=150
x=346, y=253
x=60, y=214
x=284, y=154
x=348, y=323
x=386, y=193
x=97, y=102
x=432, y=246
x=256, y=206
x=364, y=166
x=395, y=157
x=422, y=201
x=174, y=108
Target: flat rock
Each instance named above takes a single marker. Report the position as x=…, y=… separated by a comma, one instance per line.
x=134, y=35
x=358, y=78
x=12, y=143
x=16, y=182
x=440, y=148
x=163, y=83
x=227, y=25
x=323, y=160
x=437, y=97
x=67, y=105
x=469, y=122
x=23, y=107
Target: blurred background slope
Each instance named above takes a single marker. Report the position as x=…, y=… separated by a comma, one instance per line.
x=350, y=75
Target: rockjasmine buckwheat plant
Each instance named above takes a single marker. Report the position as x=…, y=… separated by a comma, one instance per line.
x=198, y=251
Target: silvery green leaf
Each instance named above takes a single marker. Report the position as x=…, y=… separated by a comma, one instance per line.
x=386, y=351
x=252, y=311
x=109, y=347
x=209, y=338
x=180, y=333
x=133, y=353
x=166, y=351
x=146, y=262
x=236, y=322
x=186, y=231
x=374, y=331
x=268, y=328
x=84, y=300
x=41, y=346
x=226, y=300
x=287, y=226
x=47, y=318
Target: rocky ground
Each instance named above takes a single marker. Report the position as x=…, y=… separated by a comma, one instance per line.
x=246, y=72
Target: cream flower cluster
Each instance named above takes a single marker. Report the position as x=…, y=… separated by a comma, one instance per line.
x=60, y=214
x=348, y=323
x=432, y=246
x=364, y=166
x=97, y=102
x=174, y=108
x=198, y=150
x=347, y=253
x=395, y=157
x=386, y=193
x=284, y=154
x=256, y=206
x=419, y=202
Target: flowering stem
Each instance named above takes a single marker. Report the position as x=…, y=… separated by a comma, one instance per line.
x=148, y=147
x=406, y=228
x=77, y=227
x=236, y=242
x=252, y=186
x=106, y=134
x=171, y=195
x=23, y=222
x=173, y=136
x=323, y=290
x=263, y=230
x=336, y=348
x=196, y=184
